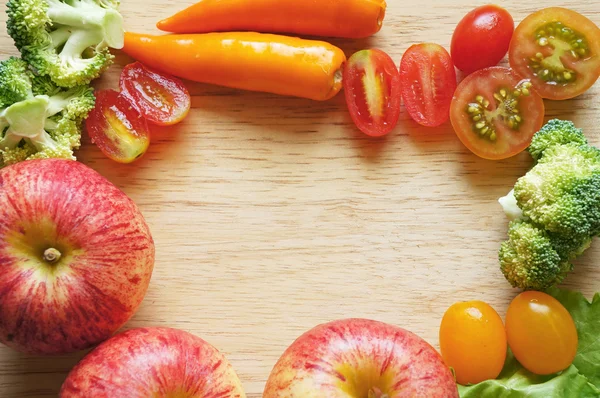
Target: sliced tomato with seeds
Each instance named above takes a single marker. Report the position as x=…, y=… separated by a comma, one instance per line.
x=495, y=113
x=117, y=128
x=558, y=50
x=428, y=81
x=160, y=98
x=372, y=90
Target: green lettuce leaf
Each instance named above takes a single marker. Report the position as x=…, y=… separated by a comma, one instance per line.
x=580, y=380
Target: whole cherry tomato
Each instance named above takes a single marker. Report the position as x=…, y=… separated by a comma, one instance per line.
x=541, y=333
x=481, y=38
x=473, y=341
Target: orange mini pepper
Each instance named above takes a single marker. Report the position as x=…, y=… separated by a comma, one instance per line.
x=245, y=60
x=335, y=18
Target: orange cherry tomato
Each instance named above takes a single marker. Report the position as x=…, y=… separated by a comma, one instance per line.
x=473, y=341
x=541, y=333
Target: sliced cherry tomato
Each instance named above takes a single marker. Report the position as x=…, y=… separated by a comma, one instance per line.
x=558, y=50
x=372, y=90
x=481, y=38
x=118, y=129
x=473, y=341
x=541, y=333
x=160, y=98
x=428, y=81
x=495, y=113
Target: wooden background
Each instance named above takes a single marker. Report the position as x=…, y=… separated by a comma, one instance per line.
x=271, y=214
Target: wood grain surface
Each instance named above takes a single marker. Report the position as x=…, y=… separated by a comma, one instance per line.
x=272, y=215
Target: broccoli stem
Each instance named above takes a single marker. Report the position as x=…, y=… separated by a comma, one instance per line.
x=105, y=24
x=60, y=36
x=59, y=102
x=510, y=206
x=84, y=16
x=27, y=120
x=78, y=42
x=9, y=141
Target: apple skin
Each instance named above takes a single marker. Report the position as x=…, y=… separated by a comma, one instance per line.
x=107, y=257
x=153, y=362
x=360, y=358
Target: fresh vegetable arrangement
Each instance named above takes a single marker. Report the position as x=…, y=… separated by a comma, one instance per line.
x=76, y=255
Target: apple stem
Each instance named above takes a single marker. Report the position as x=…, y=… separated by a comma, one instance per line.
x=52, y=255
x=375, y=392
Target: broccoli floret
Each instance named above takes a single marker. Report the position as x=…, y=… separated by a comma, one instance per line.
x=68, y=40
x=562, y=192
x=529, y=260
x=15, y=83
x=555, y=132
x=555, y=208
x=37, y=118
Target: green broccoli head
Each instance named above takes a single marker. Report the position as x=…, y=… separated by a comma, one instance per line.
x=561, y=192
x=67, y=40
x=15, y=81
x=46, y=123
x=528, y=258
x=555, y=132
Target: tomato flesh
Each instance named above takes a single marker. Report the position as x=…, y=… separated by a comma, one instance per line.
x=495, y=113
x=473, y=341
x=428, y=81
x=161, y=99
x=372, y=91
x=481, y=38
x=558, y=50
x=117, y=128
x=541, y=333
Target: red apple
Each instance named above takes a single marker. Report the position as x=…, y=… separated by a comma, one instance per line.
x=76, y=257
x=360, y=358
x=153, y=362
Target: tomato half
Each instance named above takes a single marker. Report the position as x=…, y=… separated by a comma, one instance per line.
x=117, y=128
x=541, y=333
x=428, y=81
x=495, y=113
x=372, y=90
x=558, y=50
x=160, y=98
x=481, y=38
x=473, y=341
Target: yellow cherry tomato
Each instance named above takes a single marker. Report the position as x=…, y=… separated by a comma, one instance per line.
x=541, y=333
x=473, y=341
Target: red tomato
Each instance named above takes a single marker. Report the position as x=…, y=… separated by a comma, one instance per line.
x=558, y=50
x=495, y=113
x=481, y=38
x=428, y=81
x=372, y=90
x=161, y=99
x=118, y=129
